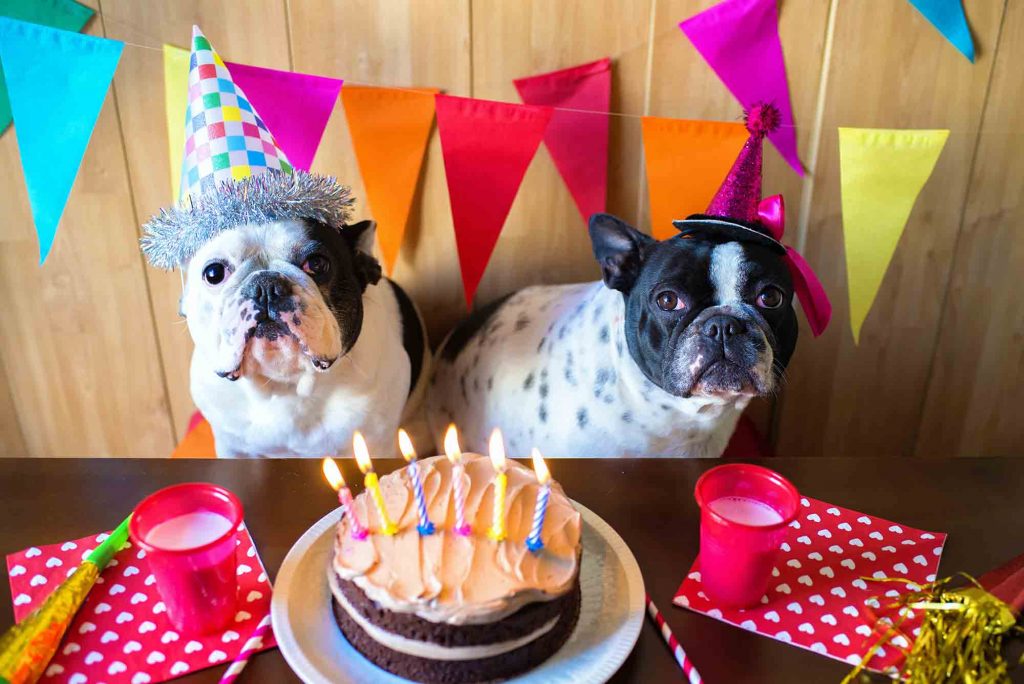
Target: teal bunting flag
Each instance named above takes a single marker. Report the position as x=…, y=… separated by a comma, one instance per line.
x=949, y=18
x=66, y=15
x=57, y=81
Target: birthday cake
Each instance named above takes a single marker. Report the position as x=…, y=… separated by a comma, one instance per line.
x=450, y=607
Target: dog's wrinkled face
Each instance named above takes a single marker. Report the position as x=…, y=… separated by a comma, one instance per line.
x=703, y=317
x=277, y=299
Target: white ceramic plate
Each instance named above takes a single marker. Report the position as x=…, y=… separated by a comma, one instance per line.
x=611, y=613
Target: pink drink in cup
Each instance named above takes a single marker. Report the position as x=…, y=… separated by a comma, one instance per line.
x=189, y=532
x=745, y=512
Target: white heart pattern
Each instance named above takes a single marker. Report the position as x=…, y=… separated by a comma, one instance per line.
x=37, y=581
x=232, y=635
x=749, y=625
x=155, y=657
x=179, y=668
x=117, y=667
x=845, y=527
x=243, y=569
x=900, y=568
x=835, y=548
x=138, y=597
x=169, y=636
x=863, y=630
x=54, y=670
x=714, y=612
x=22, y=599
x=876, y=535
x=193, y=646
x=829, y=619
x=784, y=636
x=921, y=560
x=847, y=563
x=33, y=552
x=17, y=571
x=141, y=678
x=242, y=615
x=77, y=678
x=870, y=555
x=806, y=628
x=93, y=657
x=814, y=517
x=255, y=595
x=814, y=555
x=856, y=542
x=783, y=589
x=795, y=607
x=827, y=572
x=838, y=591
x=217, y=656
x=71, y=647
x=851, y=611
x=109, y=636
x=804, y=539
x=54, y=562
x=123, y=617
x=859, y=583
x=132, y=647
x=130, y=571
x=771, y=616
x=841, y=639
x=817, y=600
x=865, y=520
x=146, y=626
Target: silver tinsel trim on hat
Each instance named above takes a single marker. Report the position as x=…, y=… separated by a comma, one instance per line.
x=173, y=236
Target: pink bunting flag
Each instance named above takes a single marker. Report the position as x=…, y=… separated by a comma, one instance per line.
x=577, y=136
x=487, y=147
x=294, y=106
x=739, y=39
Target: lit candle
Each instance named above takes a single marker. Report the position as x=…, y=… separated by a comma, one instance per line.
x=371, y=482
x=405, y=444
x=497, y=451
x=454, y=454
x=337, y=482
x=533, y=542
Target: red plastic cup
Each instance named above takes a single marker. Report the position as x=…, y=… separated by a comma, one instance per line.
x=189, y=532
x=740, y=535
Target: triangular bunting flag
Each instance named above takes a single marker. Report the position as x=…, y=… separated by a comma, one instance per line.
x=66, y=15
x=57, y=81
x=948, y=17
x=882, y=173
x=390, y=129
x=739, y=39
x=487, y=147
x=175, y=93
x=577, y=136
x=686, y=162
x=294, y=106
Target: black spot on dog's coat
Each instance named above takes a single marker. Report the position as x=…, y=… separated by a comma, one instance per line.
x=528, y=382
x=542, y=413
x=604, y=335
x=627, y=417
x=522, y=323
x=582, y=418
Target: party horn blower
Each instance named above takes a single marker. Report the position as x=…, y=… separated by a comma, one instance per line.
x=27, y=647
x=963, y=630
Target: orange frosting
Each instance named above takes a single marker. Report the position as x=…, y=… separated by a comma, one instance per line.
x=453, y=579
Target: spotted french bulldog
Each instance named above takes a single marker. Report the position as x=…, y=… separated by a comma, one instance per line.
x=299, y=341
x=659, y=359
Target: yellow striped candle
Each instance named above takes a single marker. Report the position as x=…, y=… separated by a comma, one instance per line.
x=372, y=482
x=497, y=451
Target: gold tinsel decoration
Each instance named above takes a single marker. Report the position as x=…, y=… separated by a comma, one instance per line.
x=961, y=636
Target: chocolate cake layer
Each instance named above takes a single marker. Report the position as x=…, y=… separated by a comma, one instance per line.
x=524, y=621
x=431, y=671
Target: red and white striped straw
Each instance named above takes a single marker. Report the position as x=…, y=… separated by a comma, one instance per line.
x=677, y=650
x=250, y=648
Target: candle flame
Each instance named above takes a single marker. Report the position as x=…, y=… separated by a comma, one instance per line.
x=540, y=467
x=451, y=444
x=405, y=444
x=361, y=452
x=333, y=474
x=497, y=451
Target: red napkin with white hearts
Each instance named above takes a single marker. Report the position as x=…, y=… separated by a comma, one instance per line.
x=121, y=634
x=818, y=598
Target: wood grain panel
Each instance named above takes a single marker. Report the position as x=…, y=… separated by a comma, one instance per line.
x=545, y=238
x=250, y=32
x=685, y=87
x=976, y=387
x=78, y=344
x=849, y=400
x=12, y=442
x=401, y=43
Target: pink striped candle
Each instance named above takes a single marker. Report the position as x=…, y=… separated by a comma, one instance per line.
x=337, y=481
x=454, y=454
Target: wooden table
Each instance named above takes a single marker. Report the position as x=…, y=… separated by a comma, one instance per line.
x=979, y=502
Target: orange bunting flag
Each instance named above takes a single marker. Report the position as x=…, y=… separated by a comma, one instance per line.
x=390, y=129
x=686, y=163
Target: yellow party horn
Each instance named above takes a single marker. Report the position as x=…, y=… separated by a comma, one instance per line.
x=26, y=648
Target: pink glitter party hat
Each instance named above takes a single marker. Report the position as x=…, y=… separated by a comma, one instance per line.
x=740, y=192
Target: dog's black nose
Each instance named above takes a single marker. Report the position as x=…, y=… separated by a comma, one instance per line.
x=722, y=328
x=267, y=290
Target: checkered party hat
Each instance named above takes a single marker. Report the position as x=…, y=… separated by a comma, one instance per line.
x=233, y=171
x=225, y=138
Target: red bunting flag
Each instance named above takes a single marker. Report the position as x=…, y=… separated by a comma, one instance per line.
x=390, y=128
x=294, y=106
x=577, y=136
x=739, y=39
x=487, y=147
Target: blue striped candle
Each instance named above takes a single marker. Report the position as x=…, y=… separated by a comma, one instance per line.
x=425, y=527
x=540, y=509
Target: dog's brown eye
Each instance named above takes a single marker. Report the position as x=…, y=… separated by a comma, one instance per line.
x=669, y=301
x=770, y=298
x=215, y=272
x=316, y=265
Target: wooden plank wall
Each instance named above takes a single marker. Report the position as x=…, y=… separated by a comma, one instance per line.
x=94, y=359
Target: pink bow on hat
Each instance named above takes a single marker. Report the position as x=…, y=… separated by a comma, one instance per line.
x=771, y=213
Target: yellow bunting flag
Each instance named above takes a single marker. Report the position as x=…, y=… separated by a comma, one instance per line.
x=686, y=163
x=175, y=97
x=390, y=129
x=882, y=173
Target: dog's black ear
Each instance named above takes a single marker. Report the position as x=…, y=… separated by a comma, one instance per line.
x=360, y=237
x=618, y=248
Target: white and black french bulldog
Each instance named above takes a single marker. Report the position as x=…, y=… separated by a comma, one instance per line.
x=658, y=360
x=299, y=341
